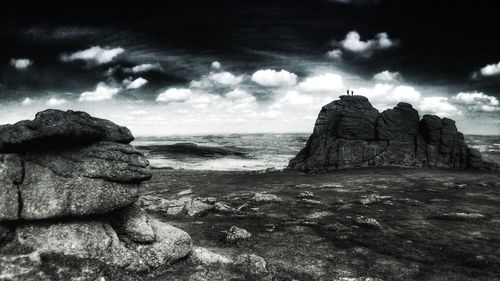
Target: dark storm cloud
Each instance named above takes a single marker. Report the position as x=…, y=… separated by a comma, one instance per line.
x=354, y=2
x=441, y=42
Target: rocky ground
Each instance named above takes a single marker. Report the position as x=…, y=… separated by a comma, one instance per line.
x=77, y=202
x=362, y=224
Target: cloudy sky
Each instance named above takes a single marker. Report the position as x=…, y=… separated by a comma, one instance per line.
x=225, y=66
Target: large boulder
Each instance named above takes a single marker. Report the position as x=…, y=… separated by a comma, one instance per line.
x=68, y=187
x=97, y=240
x=58, y=128
x=67, y=164
x=430, y=128
x=73, y=181
x=351, y=133
x=351, y=117
x=399, y=123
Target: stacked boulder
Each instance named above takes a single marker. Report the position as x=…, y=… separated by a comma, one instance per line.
x=68, y=187
x=350, y=133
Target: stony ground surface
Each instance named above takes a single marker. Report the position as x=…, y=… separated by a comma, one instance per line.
x=363, y=224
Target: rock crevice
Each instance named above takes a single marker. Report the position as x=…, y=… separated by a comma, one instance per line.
x=350, y=133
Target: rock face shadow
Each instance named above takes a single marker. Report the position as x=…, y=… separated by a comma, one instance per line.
x=351, y=133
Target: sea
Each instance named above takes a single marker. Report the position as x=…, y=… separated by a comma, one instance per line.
x=263, y=151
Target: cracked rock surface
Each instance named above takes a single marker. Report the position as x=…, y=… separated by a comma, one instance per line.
x=351, y=133
x=68, y=187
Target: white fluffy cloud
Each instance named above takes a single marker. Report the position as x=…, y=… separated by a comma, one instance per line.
x=322, y=83
x=240, y=95
x=296, y=98
x=490, y=70
x=387, y=76
x=21, y=64
x=102, y=92
x=225, y=78
x=135, y=84
x=27, y=101
x=273, y=78
x=384, y=95
x=334, y=54
x=216, y=65
x=55, y=102
x=174, y=95
x=94, y=54
x=477, y=102
x=438, y=105
x=143, y=68
x=353, y=44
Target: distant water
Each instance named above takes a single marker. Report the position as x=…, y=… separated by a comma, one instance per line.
x=263, y=150
x=489, y=146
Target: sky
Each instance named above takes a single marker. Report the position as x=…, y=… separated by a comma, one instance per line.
x=248, y=66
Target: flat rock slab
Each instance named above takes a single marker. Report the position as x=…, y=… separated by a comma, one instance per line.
x=70, y=182
x=56, y=128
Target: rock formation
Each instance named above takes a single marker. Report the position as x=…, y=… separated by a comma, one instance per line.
x=350, y=133
x=68, y=186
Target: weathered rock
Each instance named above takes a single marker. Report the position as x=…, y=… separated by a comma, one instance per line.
x=171, y=244
x=318, y=215
x=204, y=257
x=71, y=165
x=174, y=207
x=305, y=194
x=133, y=223
x=265, y=197
x=373, y=198
x=11, y=175
x=367, y=222
x=350, y=133
x=235, y=234
x=98, y=240
x=252, y=266
x=109, y=161
x=72, y=181
x=310, y=201
x=157, y=204
x=400, y=123
x=196, y=208
x=20, y=267
x=185, y=192
x=430, y=127
x=57, y=128
x=346, y=116
x=224, y=208
x=459, y=216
